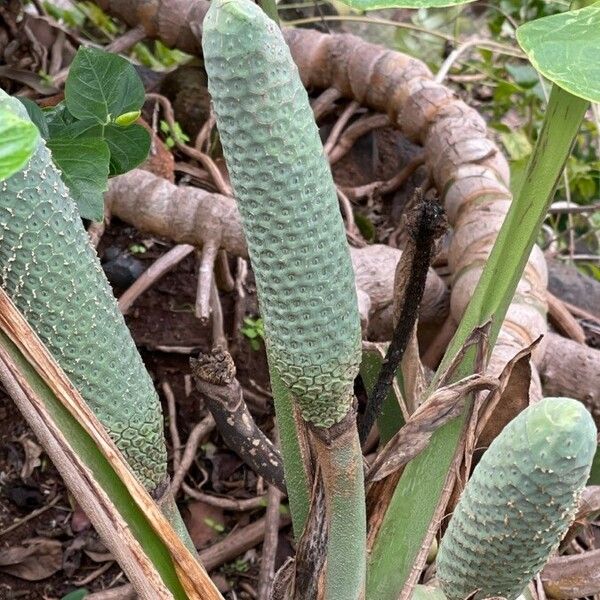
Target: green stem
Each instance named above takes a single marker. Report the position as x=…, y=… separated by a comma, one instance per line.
x=296, y=479
x=341, y=464
x=407, y=523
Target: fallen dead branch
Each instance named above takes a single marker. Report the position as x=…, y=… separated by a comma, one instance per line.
x=214, y=374
x=194, y=216
x=572, y=369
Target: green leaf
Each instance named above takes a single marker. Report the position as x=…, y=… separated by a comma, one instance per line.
x=18, y=141
x=102, y=86
x=87, y=128
x=76, y=595
x=565, y=49
x=84, y=169
x=377, y=4
x=58, y=117
x=129, y=147
x=524, y=75
x=36, y=114
x=518, y=169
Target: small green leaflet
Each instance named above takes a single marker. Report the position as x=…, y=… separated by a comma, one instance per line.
x=83, y=164
x=128, y=118
x=76, y=595
x=377, y=4
x=102, y=86
x=565, y=48
x=18, y=141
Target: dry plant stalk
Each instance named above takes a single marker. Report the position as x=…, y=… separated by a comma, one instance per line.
x=119, y=540
x=193, y=577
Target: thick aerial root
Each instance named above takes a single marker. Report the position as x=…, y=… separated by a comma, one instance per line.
x=194, y=216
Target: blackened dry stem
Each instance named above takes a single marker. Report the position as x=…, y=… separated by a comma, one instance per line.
x=425, y=223
x=214, y=374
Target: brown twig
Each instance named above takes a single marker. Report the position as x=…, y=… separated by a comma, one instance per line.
x=224, y=278
x=218, y=329
x=339, y=126
x=56, y=53
x=240, y=301
x=325, y=102
x=425, y=224
x=565, y=323
x=348, y=213
x=152, y=274
x=204, y=134
x=232, y=546
x=127, y=40
x=237, y=543
x=355, y=131
x=388, y=186
x=196, y=172
x=267, y=564
x=206, y=161
x=32, y=515
x=198, y=433
x=205, y=280
x=175, y=439
x=94, y=574
x=232, y=504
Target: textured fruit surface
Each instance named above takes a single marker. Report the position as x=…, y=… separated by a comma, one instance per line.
x=289, y=208
x=53, y=275
x=519, y=502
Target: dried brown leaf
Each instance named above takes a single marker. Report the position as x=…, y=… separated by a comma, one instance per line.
x=35, y=559
x=443, y=405
x=203, y=522
x=32, y=452
x=504, y=403
x=572, y=576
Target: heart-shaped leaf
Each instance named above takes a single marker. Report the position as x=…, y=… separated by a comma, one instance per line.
x=36, y=114
x=565, y=48
x=102, y=86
